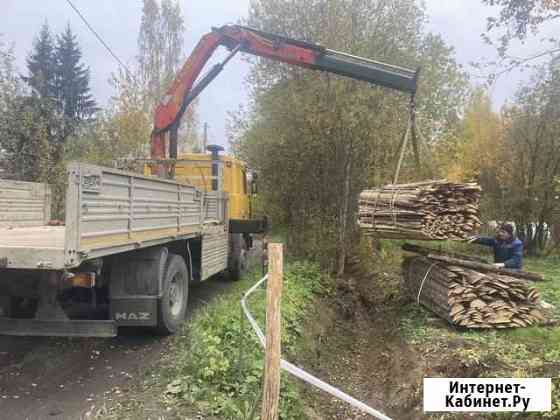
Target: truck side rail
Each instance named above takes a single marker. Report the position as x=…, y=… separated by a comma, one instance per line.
x=110, y=211
x=24, y=203
x=215, y=206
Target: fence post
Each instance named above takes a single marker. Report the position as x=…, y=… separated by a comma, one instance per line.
x=264, y=259
x=271, y=392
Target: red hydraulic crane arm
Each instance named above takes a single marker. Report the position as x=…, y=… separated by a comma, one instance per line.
x=238, y=38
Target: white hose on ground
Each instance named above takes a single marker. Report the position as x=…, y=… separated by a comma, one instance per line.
x=300, y=373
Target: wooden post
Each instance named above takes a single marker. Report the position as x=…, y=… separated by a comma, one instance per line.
x=271, y=392
x=264, y=260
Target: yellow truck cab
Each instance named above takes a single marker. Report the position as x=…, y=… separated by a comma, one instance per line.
x=218, y=172
x=196, y=169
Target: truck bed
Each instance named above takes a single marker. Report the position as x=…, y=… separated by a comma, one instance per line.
x=32, y=247
x=38, y=237
x=107, y=212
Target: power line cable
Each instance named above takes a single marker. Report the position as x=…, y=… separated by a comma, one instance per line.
x=101, y=40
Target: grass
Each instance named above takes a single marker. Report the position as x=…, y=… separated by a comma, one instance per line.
x=218, y=365
x=221, y=365
x=550, y=289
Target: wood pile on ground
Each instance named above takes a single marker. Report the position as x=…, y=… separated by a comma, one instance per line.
x=468, y=261
x=429, y=210
x=470, y=298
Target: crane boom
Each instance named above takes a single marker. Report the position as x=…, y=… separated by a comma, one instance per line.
x=239, y=38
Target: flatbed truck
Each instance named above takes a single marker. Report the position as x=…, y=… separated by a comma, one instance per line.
x=125, y=256
x=131, y=244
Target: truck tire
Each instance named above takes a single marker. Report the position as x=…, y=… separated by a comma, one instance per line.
x=238, y=257
x=172, y=306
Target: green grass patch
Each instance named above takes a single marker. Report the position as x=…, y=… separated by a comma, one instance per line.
x=218, y=363
x=550, y=288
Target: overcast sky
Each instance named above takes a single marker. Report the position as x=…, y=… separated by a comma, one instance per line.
x=459, y=21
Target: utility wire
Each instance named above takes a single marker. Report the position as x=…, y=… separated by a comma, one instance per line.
x=101, y=40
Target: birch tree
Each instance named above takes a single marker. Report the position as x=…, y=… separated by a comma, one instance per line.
x=160, y=56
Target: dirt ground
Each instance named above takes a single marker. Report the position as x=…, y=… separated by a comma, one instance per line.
x=355, y=346
x=62, y=378
x=353, y=342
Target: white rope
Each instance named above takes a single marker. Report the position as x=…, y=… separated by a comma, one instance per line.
x=300, y=373
x=394, y=215
x=402, y=151
x=252, y=321
x=374, y=209
x=423, y=280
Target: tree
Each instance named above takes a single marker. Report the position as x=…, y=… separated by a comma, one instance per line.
x=10, y=88
x=60, y=82
x=532, y=140
x=41, y=65
x=518, y=20
x=74, y=97
x=122, y=130
x=35, y=127
x=130, y=121
x=519, y=17
x=478, y=153
x=317, y=139
x=556, y=216
x=160, y=46
x=25, y=139
x=31, y=125
x=150, y=48
x=480, y=143
x=42, y=79
x=172, y=29
x=10, y=85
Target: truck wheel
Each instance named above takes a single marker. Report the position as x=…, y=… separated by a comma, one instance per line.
x=238, y=258
x=173, y=303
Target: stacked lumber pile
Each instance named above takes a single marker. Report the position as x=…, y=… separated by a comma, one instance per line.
x=470, y=298
x=424, y=210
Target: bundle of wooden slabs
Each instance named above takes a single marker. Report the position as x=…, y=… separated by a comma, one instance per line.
x=425, y=210
x=469, y=298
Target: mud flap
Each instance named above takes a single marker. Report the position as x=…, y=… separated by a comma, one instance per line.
x=134, y=311
x=135, y=285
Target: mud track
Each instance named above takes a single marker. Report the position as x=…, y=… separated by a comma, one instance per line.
x=61, y=378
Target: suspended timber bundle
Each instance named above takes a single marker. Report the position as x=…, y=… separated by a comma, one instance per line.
x=469, y=298
x=424, y=210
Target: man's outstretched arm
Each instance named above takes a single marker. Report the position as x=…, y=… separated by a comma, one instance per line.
x=483, y=240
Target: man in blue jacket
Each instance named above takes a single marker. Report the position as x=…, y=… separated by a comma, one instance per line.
x=508, y=250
